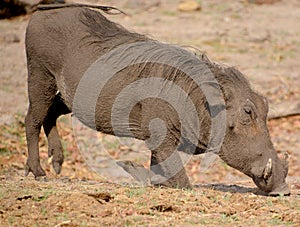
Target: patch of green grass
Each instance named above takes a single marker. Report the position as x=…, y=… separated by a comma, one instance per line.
x=242, y=51
x=224, y=218
x=98, y=190
x=276, y=220
x=227, y=197
x=218, y=8
x=111, y=145
x=269, y=202
x=169, y=13
x=15, y=129
x=4, y=151
x=236, y=16
x=11, y=219
x=44, y=212
x=136, y=192
x=2, y=194
x=61, y=217
x=215, y=220
x=140, y=24
x=296, y=43
x=83, y=224
x=234, y=217
x=202, y=221
x=65, y=144
x=134, y=221
x=7, y=88
x=295, y=205
x=214, y=43
x=42, y=197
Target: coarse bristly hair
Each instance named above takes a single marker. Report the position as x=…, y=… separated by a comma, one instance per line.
x=108, y=35
x=104, y=31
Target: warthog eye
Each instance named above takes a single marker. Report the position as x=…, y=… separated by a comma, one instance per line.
x=248, y=110
x=247, y=115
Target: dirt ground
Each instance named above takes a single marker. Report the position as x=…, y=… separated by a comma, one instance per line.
x=263, y=41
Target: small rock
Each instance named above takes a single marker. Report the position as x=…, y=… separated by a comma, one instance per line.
x=188, y=6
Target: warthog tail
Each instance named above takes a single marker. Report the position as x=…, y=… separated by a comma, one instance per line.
x=107, y=9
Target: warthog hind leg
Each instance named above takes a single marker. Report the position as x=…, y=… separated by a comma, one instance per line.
x=41, y=93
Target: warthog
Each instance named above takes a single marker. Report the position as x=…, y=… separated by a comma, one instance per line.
x=65, y=46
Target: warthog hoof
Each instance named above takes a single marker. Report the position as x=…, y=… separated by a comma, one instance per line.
x=57, y=166
x=35, y=168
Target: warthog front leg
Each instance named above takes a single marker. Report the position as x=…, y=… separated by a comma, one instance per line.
x=167, y=168
x=54, y=145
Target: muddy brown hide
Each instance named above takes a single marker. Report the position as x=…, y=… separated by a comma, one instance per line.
x=62, y=44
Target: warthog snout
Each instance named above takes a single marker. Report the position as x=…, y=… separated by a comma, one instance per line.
x=269, y=182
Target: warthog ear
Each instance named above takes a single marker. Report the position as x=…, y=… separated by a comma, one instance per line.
x=229, y=102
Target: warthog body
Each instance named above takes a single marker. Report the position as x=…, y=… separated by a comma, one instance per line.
x=62, y=44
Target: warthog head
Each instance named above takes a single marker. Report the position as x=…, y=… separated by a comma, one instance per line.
x=247, y=145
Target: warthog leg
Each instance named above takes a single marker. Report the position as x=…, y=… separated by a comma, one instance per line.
x=41, y=93
x=32, y=134
x=166, y=167
x=54, y=145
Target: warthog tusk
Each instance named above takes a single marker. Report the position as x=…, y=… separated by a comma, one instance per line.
x=268, y=169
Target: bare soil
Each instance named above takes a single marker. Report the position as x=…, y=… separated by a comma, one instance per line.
x=263, y=41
